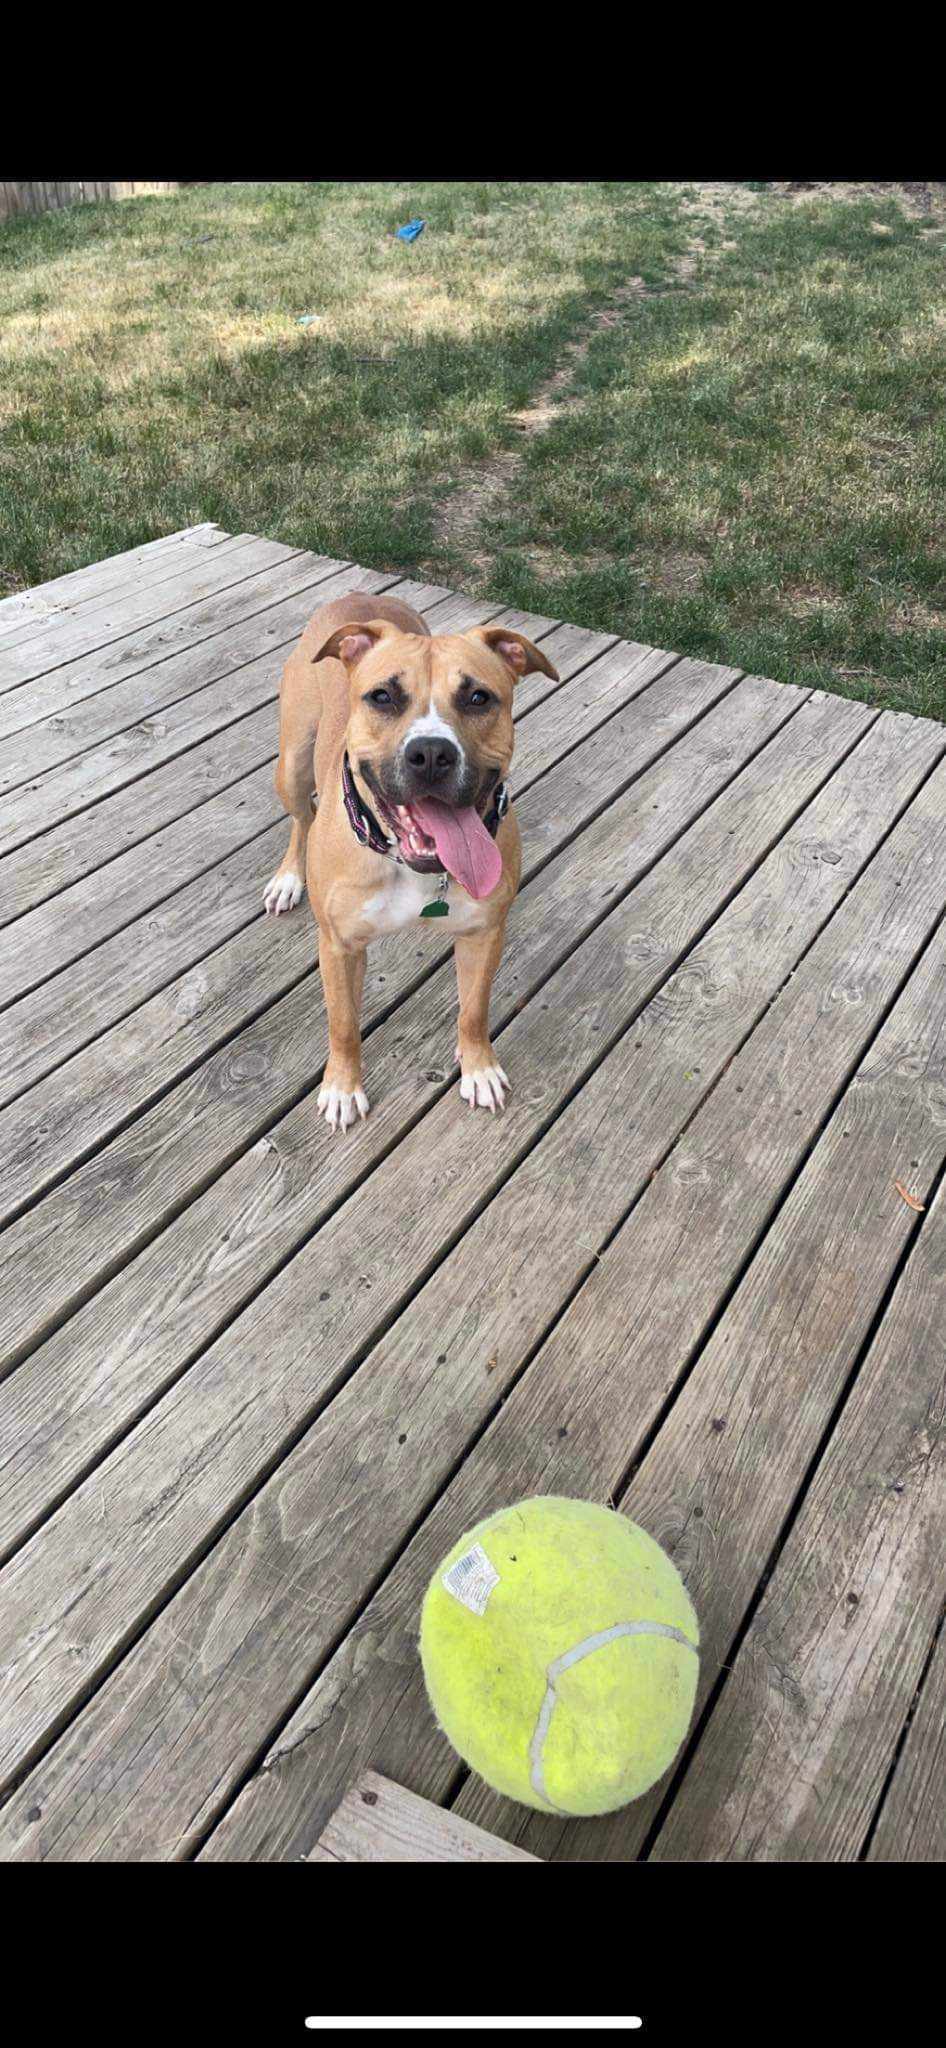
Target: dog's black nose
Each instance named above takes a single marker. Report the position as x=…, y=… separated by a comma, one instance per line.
x=431, y=760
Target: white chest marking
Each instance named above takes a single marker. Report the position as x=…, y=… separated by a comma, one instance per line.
x=403, y=898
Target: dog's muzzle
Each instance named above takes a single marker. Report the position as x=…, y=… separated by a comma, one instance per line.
x=430, y=766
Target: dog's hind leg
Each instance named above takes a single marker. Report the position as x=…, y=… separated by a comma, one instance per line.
x=299, y=709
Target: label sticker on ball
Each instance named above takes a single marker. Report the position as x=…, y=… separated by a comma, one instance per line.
x=471, y=1579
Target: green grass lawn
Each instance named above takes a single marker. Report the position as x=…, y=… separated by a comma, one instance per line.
x=744, y=458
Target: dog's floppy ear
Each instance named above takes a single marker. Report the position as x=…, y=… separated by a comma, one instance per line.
x=349, y=643
x=514, y=649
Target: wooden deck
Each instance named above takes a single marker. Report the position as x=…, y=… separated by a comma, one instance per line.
x=253, y=1386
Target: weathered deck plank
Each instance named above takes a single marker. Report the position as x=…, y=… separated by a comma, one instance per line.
x=75, y=924
x=912, y=1825
x=377, y=1822
x=36, y=606
x=150, y=574
x=67, y=853
x=152, y=670
x=43, y=673
x=724, y=1002
x=165, y=709
x=52, y=1025
x=796, y=1753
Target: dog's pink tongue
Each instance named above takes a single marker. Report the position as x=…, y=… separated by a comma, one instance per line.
x=463, y=844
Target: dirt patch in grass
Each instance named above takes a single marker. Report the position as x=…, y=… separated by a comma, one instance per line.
x=554, y=393
x=806, y=600
x=911, y=615
x=459, y=524
x=674, y=573
x=917, y=197
x=717, y=197
x=463, y=513
x=920, y=199
x=916, y=617
x=553, y=563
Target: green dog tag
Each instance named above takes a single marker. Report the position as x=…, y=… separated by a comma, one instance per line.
x=436, y=909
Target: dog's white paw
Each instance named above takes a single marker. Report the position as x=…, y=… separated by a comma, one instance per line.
x=485, y=1088
x=340, y=1109
x=283, y=893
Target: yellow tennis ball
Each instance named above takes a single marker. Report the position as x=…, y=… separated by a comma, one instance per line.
x=560, y=1653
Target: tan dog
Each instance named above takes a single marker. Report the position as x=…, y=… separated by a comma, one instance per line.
x=406, y=738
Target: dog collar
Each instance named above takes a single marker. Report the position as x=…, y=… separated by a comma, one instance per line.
x=366, y=828
x=362, y=820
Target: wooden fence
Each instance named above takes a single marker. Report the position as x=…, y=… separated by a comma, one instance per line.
x=40, y=198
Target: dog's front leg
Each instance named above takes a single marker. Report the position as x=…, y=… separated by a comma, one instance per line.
x=299, y=708
x=341, y=1096
x=478, y=955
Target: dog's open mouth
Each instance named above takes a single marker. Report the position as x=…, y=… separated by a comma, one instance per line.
x=410, y=833
x=451, y=837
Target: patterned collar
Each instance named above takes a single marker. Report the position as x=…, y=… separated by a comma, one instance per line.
x=365, y=825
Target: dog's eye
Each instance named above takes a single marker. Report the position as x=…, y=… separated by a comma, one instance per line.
x=380, y=697
x=478, y=698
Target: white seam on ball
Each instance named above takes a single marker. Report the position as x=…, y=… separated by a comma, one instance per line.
x=564, y=1663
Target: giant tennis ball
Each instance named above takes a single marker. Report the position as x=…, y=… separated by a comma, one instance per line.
x=560, y=1652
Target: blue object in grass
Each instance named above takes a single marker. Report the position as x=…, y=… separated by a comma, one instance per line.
x=411, y=231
